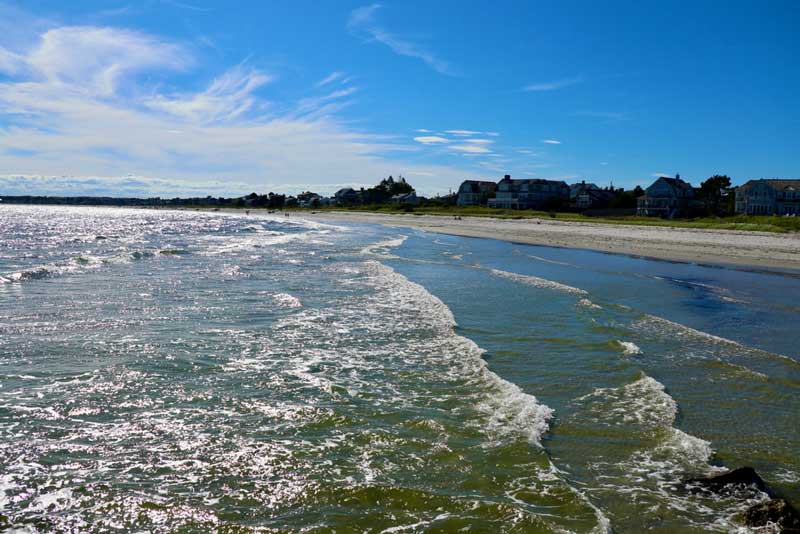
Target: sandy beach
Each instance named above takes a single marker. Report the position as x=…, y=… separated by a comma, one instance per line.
x=752, y=249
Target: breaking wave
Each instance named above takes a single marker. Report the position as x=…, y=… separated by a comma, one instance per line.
x=538, y=282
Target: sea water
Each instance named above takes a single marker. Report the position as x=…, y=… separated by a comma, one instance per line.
x=168, y=371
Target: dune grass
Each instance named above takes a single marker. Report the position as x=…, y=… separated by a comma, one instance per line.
x=760, y=223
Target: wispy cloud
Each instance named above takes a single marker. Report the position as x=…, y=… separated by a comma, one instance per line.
x=431, y=139
x=97, y=59
x=551, y=141
x=662, y=175
x=185, y=5
x=330, y=78
x=423, y=130
x=552, y=85
x=462, y=133
x=471, y=148
x=480, y=141
x=228, y=97
x=321, y=103
x=362, y=22
x=94, y=103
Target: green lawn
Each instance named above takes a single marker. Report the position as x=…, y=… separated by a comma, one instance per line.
x=761, y=223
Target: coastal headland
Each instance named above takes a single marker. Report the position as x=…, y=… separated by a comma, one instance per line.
x=765, y=250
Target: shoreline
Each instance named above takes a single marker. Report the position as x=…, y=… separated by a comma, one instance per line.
x=729, y=248
x=768, y=252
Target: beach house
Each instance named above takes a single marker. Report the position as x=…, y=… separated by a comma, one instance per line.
x=307, y=199
x=406, y=198
x=346, y=196
x=529, y=194
x=668, y=198
x=475, y=192
x=768, y=197
x=583, y=196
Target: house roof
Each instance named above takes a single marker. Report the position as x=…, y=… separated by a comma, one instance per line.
x=534, y=181
x=598, y=194
x=677, y=183
x=777, y=184
x=580, y=185
x=479, y=182
x=476, y=185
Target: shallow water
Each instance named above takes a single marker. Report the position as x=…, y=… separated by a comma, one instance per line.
x=165, y=371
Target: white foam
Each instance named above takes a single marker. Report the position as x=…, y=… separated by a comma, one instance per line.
x=538, y=282
x=629, y=348
x=683, y=330
x=586, y=303
x=644, y=402
x=509, y=410
x=286, y=300
x=383, y=245
x=554, y=262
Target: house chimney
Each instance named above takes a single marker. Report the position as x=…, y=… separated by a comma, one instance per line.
x=507, y=177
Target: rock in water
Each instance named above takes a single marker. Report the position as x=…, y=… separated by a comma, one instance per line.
x=745, y=476
x=776, y=512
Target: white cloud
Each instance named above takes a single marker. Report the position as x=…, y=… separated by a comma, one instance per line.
x=553, y=85
x=330, y=78
x=662, y=175
x=423, y=130
x=67, y=112
x=551, y=141
x=493, y=134
x=227, y=98
x=479, y=141
x=321, y=103
x=471, y=149
x=431, y=139
x=11, y=63
x=127, y=186
x=362, y=23
x=97, y=59
x=462, y=133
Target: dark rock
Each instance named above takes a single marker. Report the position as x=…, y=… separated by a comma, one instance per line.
x=777, y=512
x=744, y=476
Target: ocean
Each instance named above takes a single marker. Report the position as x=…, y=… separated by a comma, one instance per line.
x=166, y=371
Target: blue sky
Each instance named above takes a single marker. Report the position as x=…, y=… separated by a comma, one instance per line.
x=174, y=97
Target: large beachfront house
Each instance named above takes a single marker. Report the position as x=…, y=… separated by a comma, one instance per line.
x=584, y=196
x=768, y=197
x=475, y=192
x=667, y=197
x=529, y=194
x=346, y=196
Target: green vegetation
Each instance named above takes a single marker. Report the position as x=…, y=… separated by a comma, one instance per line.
x=761, y=223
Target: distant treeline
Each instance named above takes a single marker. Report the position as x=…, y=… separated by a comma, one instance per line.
x=270, y=200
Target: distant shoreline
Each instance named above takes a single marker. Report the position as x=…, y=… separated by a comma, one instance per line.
x=742, y=249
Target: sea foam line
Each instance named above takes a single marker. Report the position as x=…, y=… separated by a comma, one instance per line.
x=684, y=330
x=509, y=408
x=388, y=243
x=538, y=282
